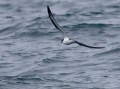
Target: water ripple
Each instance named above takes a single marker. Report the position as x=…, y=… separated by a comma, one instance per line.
x=32, y=57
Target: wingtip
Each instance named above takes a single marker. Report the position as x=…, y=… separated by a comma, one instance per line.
x=48, y=8
x=49, y=11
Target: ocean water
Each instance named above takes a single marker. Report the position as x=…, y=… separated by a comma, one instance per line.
x=32, y=57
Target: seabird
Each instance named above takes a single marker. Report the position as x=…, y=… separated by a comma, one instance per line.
x=66, y=40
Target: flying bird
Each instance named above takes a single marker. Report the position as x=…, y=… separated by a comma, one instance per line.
x=66, y=40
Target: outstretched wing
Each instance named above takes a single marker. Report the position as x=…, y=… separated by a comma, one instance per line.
x=82, y=44
x=54, y=21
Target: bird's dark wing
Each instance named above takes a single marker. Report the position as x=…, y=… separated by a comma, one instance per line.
x=82, y=44
x=54, y=21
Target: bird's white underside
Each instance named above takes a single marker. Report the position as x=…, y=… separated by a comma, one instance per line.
x=67, y=41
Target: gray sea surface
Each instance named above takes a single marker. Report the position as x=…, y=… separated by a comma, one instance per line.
x=32, y=56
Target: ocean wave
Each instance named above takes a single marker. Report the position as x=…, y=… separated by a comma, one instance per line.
x=7, y=30
x=52, y=60
x=32, y=56
x=109, y=52
x=91, y=25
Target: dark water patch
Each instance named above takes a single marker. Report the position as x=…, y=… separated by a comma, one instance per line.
x=93, y=13
x=96, y=88
x=5, y=5
x=20, y=80
x=91, y=25
x=37, y=19
x=116, y=6
x=48, y=48
x=9, y=17
x=110, y=35
x=23, y=54
x=7, y=30
x=48, y=60
x=91, y=64
x=116, y=62
x=96, y=13
x=30, y=78
x=6, y=77
x=32, y=33
x=64, y=74
x=53, y=80
x=115, y=69
x=51, y=60
x=110, y=52
x=65, y=86
x=19, y=10
x=8, y=43
x=68, y=14
x=42, y=4
x=6, y=65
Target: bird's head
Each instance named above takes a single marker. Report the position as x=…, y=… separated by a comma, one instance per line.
x=61, y=40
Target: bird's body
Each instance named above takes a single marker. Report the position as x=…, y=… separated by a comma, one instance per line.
x=66, y=40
